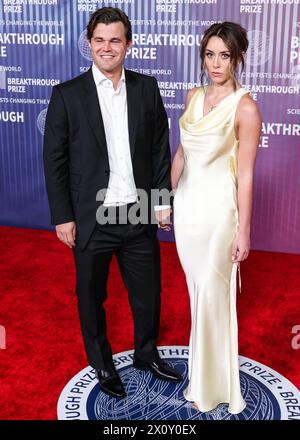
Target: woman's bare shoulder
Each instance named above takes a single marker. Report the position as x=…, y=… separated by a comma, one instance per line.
x=248, y=106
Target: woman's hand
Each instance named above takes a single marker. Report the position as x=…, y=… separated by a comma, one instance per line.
x=163, y=219
x=240, y=247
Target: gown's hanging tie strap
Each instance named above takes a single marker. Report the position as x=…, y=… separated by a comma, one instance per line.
x=240, y=280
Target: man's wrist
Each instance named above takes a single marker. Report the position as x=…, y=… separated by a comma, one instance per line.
x=161, y=207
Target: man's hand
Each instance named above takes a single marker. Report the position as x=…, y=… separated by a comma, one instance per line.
x=66, y=232
x=163, y=218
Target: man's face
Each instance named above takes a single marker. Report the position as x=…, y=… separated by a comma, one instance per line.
x=108, y=46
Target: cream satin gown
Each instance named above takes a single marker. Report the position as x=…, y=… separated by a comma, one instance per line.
x=205, y=223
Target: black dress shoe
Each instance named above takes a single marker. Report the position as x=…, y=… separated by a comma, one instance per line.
x=159, y=368
x=110, y=383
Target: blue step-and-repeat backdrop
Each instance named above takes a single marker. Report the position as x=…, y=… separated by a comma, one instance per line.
x=43, y=42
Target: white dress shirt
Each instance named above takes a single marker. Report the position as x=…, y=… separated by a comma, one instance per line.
x=113, y=103
x=121, y=188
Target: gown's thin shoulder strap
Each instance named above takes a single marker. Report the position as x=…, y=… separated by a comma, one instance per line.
x=197, y=92
x=243, y=92
x=192, y=100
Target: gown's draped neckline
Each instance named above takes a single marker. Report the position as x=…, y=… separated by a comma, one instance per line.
x=194, y=115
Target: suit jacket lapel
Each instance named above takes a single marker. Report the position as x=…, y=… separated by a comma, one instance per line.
x=133, y=91
x=93, y=111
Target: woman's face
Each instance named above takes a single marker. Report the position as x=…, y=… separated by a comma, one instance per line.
x=217, y=60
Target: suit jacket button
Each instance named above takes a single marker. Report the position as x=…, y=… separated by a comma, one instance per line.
x=106, y=172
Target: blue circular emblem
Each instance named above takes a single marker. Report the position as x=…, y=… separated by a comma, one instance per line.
x=266, y=393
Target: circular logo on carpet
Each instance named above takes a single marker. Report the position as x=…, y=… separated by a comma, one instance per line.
x=269, y=395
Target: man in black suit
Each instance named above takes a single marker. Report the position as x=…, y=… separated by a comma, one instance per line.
x=108, y=130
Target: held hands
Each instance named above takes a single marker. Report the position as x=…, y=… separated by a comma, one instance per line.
x=240, y=247
x=66, y=232
x=163, y=219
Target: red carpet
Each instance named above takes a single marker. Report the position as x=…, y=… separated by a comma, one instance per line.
x=44, y=347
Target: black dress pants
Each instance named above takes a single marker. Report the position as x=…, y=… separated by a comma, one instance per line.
x=138, y=256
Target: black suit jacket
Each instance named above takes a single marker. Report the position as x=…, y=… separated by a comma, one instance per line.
x=75, y=152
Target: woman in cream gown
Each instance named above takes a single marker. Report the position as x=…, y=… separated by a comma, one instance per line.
x=212, y=175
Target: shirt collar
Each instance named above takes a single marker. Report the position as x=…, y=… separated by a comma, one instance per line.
x=99, y=77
